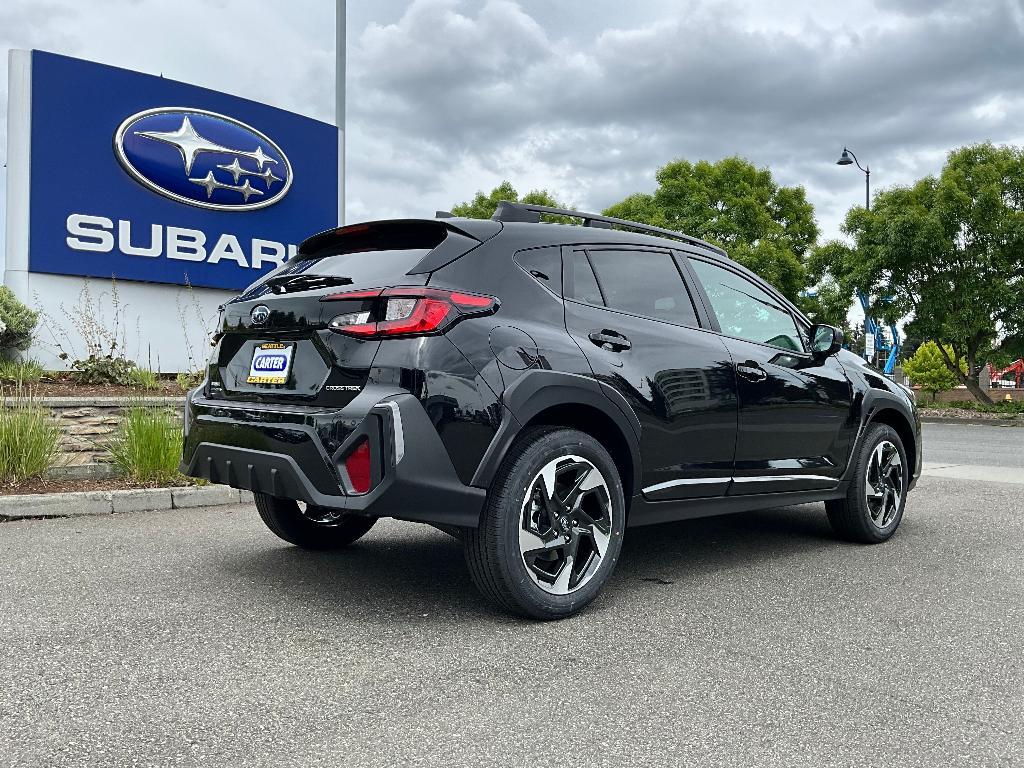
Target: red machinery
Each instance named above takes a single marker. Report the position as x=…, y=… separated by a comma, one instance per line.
x=1016, y=368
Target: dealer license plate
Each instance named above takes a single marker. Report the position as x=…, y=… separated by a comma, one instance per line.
x=271, y=363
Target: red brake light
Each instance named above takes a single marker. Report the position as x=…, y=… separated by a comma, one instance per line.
x=471, y=300
x=408, y=311
x=370, y=293
x=357, y=466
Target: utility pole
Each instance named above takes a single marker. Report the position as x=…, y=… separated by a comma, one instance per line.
x=339, y=102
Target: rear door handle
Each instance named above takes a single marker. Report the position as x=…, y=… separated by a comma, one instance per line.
x=610, y=340
x=751, y=371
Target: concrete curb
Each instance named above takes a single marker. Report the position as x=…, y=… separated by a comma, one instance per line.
x=84, y=401
x=81, y=503
x=973, y=422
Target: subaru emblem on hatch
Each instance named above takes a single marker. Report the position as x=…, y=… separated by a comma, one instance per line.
x=260, y=314
x=202, y=158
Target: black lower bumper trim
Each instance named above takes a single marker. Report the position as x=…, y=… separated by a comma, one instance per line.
x=419, y=482
x=257, y=471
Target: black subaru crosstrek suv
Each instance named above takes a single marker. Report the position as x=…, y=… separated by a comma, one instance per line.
x=534, y=389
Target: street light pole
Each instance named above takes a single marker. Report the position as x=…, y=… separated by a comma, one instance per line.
x=848, y=158
x=844, y=159
x=339, y=101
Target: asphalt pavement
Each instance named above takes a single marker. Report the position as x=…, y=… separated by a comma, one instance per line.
x=195, y=637
x=974, y=444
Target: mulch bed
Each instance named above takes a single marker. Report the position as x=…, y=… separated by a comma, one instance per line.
x=63, y=485
x=69, y=388
x=965, y=413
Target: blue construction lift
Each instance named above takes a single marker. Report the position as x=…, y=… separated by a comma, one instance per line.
x=891, y=349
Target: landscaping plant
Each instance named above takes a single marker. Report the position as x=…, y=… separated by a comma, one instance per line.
x=17, y=322
x=104, y=369
x=29, y=438
x=143, y=378
x=147, y=444
x=189, y=380
x=927, y=369
x=20, y=372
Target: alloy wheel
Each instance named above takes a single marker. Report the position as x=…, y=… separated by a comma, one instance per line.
x=884, y=483
x=565, y=525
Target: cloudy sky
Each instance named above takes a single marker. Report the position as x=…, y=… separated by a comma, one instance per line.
x=584, y=97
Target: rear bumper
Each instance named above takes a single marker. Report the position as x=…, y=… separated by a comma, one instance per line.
x=292, y=452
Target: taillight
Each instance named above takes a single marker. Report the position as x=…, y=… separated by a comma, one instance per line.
x=357, y=467
x=407, y=311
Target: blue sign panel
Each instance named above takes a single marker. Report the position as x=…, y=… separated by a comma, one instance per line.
x=141, y=178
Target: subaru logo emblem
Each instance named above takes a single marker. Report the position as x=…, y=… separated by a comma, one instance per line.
x=260, y=314
x=202, y=158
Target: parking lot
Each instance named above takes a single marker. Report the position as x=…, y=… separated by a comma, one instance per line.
x=196, y=637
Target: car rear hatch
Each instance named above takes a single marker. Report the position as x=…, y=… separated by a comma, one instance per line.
x=274, y=341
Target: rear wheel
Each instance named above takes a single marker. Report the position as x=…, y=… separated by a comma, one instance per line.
x=873, y=507
x=551, y=532
x=309, y=526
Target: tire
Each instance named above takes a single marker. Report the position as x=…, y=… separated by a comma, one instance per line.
x=519, y=524
x=285, y=519
x=869, y=514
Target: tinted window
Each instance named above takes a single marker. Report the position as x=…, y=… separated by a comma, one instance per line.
x=544, y=265
x=584, y=285
x=746, y=311
x=644, y=283
x=368, y=269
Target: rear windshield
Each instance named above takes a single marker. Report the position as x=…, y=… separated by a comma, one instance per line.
x=364, y=265
x=370, y=255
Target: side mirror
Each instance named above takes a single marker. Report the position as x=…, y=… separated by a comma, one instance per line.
x=826, y=340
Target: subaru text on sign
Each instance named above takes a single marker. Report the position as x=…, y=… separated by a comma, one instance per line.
x=144, y=178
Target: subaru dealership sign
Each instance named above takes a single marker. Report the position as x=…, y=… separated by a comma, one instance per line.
x=146, y=179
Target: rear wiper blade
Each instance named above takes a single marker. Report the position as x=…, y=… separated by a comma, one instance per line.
x=305, y=282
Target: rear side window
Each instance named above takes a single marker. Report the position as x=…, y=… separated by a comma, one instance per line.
x=544, y=265
x=643, y=283
x=581, y=277
x=746, y=311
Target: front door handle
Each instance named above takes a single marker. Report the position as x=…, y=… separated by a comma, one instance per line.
x=610, y=340
x=751, y=371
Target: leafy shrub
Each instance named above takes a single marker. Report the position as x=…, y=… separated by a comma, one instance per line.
x=17, y=322
x=28, y=439
x=928, y=369
x=21, y=371
x=147, y=444
x=143, y=378
x=105, y=369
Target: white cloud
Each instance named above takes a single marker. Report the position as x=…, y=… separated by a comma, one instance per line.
x=586, y=97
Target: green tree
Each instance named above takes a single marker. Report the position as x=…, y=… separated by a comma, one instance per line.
x=766, y=227
x=927, y=368
x=483, y=206
x=948, y=250
x=17, y=322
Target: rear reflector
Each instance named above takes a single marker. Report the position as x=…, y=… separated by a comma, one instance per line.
x=357, y=467
x=412, y=311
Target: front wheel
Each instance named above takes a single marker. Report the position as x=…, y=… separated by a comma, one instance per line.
x=308, y=526
x=873, y=507
x=551, y=532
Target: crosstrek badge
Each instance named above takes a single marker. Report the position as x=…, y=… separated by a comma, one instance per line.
x=271, y=363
